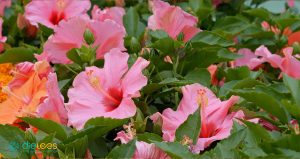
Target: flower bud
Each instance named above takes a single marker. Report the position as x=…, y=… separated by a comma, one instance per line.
x=88, y=36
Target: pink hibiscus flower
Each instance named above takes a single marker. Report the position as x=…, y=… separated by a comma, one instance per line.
x=2, y=38
x=53, y=106
x=216, y=123
x=173, y=20
x=4, y=4
x=249, y=59
x=287, y=64
x=51, y=12
x=114, y=13
x=69, y=34
x=143, y=150
x=106, y=92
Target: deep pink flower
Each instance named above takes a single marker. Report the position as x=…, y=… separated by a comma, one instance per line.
x=106, y=92
x=173, y=20
x=2, y=38
x=69, y=34
x=114, y=13
x=4, y=4
x=291, y=3
x=51, y=12
x=212, y=69
x=287, y=64
x=249, y=59
x=216, y=2
x=53, y=106
x=216, y=123
x=143, y=150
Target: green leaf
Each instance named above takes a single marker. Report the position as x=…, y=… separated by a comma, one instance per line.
x=16, y=55
x=123, y=151
x=294, y=86
x=175, y=150
x=227, y=55
x=228, y=147
x=240, y=73
x=258, y=131
x=46, y=140
x=107, y=122
x=203, y=8
x=158, y=34
x=231, y=24
x=74, y=56
x=210, y=38
x=132, y=23
x=148, y=137
x=264, y=100
x=45, y=30
x=49, y=127
x=190, y=128
x=292, y=109
x=96, y=145
x=79, y=146
x=166, y=45
x=201, y=76
x=259, y=12
x=11, y=139
x=237, y=84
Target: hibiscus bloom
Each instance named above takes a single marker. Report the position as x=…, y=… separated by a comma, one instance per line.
x=106, y=92
x=69, y=34
x=143, y=150
x=27, y=91
x=287, y=64
x=248, y=59
x=51, y=12
x=114, y=13
x=173, y=20
x=216, y=123
x=4, y=4
x=53, y=106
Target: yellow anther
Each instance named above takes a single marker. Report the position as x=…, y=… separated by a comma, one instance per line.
x=202, y=99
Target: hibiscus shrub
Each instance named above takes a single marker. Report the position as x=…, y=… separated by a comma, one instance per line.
x=149, y=79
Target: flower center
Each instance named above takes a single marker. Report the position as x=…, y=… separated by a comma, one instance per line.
x=56, y=17
x=112, y=96
x=202, y=101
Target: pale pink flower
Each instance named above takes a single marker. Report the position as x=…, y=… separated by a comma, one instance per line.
x=143, y=150
x=269, y=27
x=53, y=106
x=106, y=92
x=4, y=4
x=287, y=64
x=51, y=12
x=216, y=122
x=173, y=20
x=69, y=34
x=114, y=13
x=168, y=59
x=248, y=59
x=2, y=38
